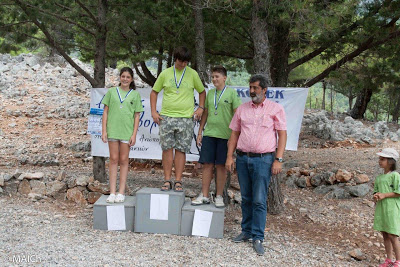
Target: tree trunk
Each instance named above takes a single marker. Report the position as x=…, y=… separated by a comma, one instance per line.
x=99, y=168
x=390, y=106
x=351, y=97
x=275, y=197
x=160, y=60
x=261, y=45
x=331, y=100
x=199, y=41
x=357, y=112
x=169, y=58
x=323, y=94
x=280, y=51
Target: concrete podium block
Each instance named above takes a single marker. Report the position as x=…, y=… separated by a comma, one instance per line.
x=217, y=221
x=100, y=212
x=171, y=224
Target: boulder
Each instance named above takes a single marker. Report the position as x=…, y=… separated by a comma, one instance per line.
x=35, y=196
x=30, y=176
x=291, y=181
x=75, y=195
x=93, y=197
x=96, y=186
x=338, y=193
x=61, y=176
x=55, y=187
x=361, y=178
x=317, y=180
x=38, y=187
x=301, y=182
x=82, y=180
x=24, y=187
x=1, y=181
x=343, y=176
x=357, y=254
x=323, y=189
x=11, y=186
x=358, y=190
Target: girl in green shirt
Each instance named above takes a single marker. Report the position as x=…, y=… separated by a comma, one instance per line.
x=122, y=107
x=387, y=210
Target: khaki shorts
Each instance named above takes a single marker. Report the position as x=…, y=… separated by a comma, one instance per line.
x=176, y=133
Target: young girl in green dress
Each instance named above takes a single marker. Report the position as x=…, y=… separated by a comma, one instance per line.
x=387, y=210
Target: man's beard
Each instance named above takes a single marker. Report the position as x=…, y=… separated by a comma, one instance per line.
x=257, y=98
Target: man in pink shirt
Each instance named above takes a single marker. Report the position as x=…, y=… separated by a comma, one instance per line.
x=255, y=127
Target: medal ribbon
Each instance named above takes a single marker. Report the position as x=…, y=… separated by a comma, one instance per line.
x=219, y=98
x=180, y=81
x=119, y=95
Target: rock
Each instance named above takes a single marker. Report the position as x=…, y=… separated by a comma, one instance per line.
x=357, y=254
x=82, y=180
x=291, y=181
x=1, y=190
x=36, y=175
x=61, y=176
x=75, y=195
x=303, y=210
x=38, y=187
x=338, y=193
x=361, y=178
x=96, y=186
x=316, y=180
x=93, y=197
x=328, y=177
x=152, y=171
x=343, y=176
x=24, y=187
x=323, y=189
x=231, y=194
x=35, y=196
x=1, y=181
x=190, y=193
x=305, y=172
x=290, y=164
x=308, y=181
x=7, y=177
x=55, y=187
x=11, y=186
x=358, y=190
x=293, y=171
x=301, y=182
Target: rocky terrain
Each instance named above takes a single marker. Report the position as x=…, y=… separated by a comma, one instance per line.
x=47, y=188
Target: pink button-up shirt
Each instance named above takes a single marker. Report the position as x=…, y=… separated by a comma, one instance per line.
x=258, y=125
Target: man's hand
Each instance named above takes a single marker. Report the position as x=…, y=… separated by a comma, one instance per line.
x=276, y=167
x=197, y=114
x=199, y=139
x=229, y=164
x=156, y=117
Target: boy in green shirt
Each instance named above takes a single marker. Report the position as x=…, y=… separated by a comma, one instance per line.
x=221, y=104
x=177, y=112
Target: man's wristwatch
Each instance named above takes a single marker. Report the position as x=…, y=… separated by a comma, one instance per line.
x=279, y=159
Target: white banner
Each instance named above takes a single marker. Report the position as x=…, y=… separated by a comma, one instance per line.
x=147, y=144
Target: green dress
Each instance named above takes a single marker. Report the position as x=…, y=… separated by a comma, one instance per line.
x=387, y=211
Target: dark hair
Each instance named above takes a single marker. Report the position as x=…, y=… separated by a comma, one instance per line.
x=127, y=69
x=392, y=164
x=182, y=53
x=263, y=81
x=220, y=69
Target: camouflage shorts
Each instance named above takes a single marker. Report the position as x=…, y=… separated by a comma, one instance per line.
x=176, y=133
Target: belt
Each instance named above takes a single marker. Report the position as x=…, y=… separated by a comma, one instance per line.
x=251, y=154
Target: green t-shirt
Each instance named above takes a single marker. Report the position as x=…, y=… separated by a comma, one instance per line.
x=387, y=211
x=218, y=125
x=120, y=121
x=181, y=104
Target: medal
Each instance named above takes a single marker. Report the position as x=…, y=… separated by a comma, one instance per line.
x=119, y=96
x=219, y=98
x=178, y=84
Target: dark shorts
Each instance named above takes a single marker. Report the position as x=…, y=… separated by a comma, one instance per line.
x=213, y=150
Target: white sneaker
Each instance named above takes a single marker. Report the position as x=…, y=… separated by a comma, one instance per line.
x=111, y=198
x=200, y=200
x=219, y=202
x=120, y=198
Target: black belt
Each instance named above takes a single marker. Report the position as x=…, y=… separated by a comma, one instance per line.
x=251, y=154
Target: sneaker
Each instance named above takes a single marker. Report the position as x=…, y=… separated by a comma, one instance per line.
x=387, y=263
x=243, y=237
x=120, y=198
x=219, y=202
x=258, y=247
x=200, y=200
x=111, y=198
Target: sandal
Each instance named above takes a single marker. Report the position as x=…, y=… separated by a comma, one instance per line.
x=178, y=188
x=165, y=186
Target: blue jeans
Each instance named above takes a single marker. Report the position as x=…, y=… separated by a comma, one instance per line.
x=254, y=174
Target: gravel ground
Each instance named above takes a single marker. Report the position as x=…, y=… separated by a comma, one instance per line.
x=61, y=234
